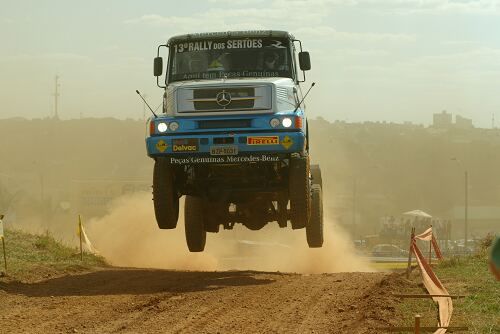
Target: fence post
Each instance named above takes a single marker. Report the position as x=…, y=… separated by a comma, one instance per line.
x=80, y=235
x=4, y=254
x=430, y=247
x=417, y=324
x=408, y=269
x=3, y=243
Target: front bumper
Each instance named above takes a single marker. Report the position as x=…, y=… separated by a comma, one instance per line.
x=251, y=146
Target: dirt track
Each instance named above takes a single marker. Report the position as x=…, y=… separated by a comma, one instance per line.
x=161, y=301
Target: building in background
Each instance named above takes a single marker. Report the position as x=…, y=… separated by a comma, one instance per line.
x=463, y=123
x=442, y=120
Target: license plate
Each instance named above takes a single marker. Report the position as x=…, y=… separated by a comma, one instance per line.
x=224, y=150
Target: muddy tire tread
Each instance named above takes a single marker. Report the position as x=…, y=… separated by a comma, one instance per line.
x=314, y=229
x=299, y=192
x=165, y=199
x=196, y=235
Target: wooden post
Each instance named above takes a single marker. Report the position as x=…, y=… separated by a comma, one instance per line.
x=4, y=254
x=408, y=269
x=417, y=324
x=430, y=249
x=80, y=235
x=406, y=295
x=400, y=329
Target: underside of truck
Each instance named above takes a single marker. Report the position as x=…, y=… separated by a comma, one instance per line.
x=222, y=195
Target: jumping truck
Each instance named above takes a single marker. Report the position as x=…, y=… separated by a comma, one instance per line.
x=233, y=136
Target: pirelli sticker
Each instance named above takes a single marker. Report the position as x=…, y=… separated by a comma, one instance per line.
x=263, y=140
x=185, y=145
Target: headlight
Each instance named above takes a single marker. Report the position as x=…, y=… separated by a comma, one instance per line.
x=274, y=122
x=287, y=122
x=162, y=127
x=173, y=126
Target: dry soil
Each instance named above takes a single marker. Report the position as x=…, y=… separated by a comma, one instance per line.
x=129, y=300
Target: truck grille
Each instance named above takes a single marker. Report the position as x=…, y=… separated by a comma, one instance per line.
x=225, y=124
x=224, y=98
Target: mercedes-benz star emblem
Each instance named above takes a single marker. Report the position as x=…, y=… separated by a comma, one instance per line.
x=223, y=98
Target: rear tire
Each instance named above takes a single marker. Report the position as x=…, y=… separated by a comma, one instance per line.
x=316, y=175
x=299, y=192
x=165, y=199
x=196, y=235
x=314, y=229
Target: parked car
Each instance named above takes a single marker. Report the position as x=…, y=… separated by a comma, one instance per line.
x=461, y=249
x=387, y=250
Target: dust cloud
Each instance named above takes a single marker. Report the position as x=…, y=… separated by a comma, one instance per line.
x=128, y=236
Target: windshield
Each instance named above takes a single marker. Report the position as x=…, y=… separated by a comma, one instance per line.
x=230, y=58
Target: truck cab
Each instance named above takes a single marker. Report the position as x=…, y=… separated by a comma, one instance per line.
x=233, y=135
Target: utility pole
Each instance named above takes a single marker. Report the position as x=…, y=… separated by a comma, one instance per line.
x=466, y=207
x=56, y=97
x=354, y=209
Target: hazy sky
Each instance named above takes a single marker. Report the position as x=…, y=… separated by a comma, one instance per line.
x=392, y=60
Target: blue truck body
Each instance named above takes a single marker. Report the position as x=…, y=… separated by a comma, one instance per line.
x=191, y=139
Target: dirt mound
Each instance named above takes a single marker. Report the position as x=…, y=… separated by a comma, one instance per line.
x=161, y=301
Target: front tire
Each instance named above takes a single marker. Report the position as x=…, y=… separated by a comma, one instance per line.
x=314, y=229
x=165, y=199
x=196, y=235
x=299, y=192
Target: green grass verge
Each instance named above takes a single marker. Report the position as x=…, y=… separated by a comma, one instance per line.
x=389, y=266
x=468, y=276
x=31, y=257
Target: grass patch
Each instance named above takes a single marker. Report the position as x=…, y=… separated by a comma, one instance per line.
x=32, y=257
x=468, y=276
x=389, y=266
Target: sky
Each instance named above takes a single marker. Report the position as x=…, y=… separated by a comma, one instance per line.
x=372, y=60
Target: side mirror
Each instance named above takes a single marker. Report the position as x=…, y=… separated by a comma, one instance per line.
x=158, y=66
x=304, y=61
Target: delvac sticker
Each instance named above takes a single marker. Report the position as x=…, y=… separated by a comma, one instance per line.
x=185, y=145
